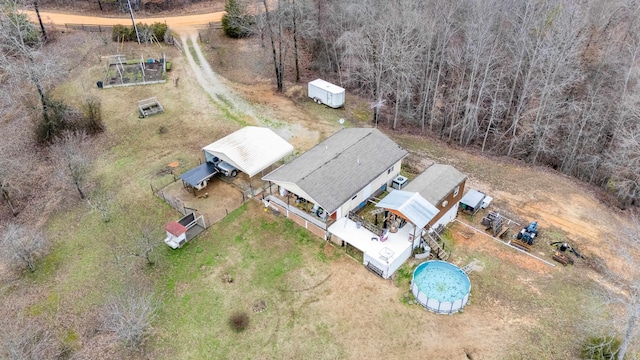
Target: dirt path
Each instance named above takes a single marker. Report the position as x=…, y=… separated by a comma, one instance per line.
x=222, y=92
x=212, y=83
x=174, y=22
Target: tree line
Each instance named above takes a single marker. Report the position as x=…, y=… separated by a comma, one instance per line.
x=550, y=82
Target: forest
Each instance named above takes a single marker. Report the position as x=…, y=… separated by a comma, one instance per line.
x=551, y=83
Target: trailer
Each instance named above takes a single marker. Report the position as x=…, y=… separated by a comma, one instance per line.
x=324, y=92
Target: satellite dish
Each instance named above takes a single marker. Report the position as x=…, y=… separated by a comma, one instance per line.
x=341, y=121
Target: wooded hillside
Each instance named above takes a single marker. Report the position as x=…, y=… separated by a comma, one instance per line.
x=545, y=81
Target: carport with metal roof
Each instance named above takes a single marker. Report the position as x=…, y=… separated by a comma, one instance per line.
x=250, y=149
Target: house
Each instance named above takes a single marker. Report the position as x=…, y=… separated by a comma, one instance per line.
x=335, y=177
x=442, y=186
x=430, y=200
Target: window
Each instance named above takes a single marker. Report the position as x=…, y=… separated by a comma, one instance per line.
x=455, y=192
x=354, y=197
x=390, y=170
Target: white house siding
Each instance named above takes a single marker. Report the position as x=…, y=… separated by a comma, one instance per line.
x=397, y=262
x=385, y=178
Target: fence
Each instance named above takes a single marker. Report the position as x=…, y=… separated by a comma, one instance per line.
x=90, y=28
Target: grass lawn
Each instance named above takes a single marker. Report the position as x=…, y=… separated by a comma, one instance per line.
x=266, y=259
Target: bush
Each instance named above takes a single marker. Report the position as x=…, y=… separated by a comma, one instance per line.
x=92, y=120
x=600, y=348
x=120, y=32
x=52, y=121
x=59, y=117
x=128, y=33
x=239, y=321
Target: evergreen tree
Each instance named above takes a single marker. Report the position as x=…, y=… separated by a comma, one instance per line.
x=236, y=23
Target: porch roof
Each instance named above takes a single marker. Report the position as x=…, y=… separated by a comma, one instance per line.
x=411, y=205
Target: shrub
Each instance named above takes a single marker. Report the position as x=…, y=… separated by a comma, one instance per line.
x=159, y=29
x=239, y=321
x=52, y=122
x=128, y=33
x=92, y=120
x=120, y=32
x=600, y=348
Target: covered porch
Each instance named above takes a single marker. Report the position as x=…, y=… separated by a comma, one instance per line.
x=381, y=255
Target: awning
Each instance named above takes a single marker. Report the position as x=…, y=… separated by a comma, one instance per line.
x=473, y=198
x=197, y=175
x=411, y=205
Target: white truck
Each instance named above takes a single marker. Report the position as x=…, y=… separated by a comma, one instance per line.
x=324, y=92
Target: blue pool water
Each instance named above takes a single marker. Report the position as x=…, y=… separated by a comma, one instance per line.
x=441, y=281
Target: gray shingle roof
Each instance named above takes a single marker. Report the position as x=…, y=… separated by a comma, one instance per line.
x=335, y=170
x=435, y=183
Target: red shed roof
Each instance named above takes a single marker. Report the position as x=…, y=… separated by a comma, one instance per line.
x=175, y=228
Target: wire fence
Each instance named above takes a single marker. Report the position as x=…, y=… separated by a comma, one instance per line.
x=90, y=27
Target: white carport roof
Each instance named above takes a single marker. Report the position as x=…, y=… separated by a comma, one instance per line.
x=250, y=149
x=411, y=205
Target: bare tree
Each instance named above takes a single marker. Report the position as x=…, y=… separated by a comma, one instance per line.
x=22, y=246
x=11, y=170
x=73, y=153
x=103, y=204
x=22, y=339
x=145, y=242
x=130, y=315
x=279, y=45
x=21, y=53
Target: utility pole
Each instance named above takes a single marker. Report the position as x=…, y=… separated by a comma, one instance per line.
x=133, y=21
x=44, y=34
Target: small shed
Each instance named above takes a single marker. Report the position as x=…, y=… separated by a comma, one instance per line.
x=176, y=234
x=181, y=231
x=471, y=202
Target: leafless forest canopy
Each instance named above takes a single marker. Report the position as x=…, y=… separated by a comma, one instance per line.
x=549, y=82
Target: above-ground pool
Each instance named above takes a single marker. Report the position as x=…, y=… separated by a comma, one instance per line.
x=441, y=287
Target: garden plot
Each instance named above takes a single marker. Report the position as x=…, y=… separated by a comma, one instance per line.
x=121, y=71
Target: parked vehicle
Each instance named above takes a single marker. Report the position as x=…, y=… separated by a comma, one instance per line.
x=222, y=166
x=227, y=169
x=324, y=92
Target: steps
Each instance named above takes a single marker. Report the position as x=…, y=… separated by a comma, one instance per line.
x=437, y=245
x=374, y=269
